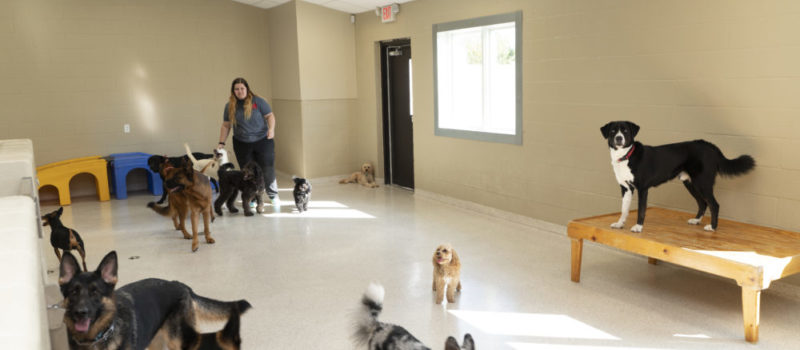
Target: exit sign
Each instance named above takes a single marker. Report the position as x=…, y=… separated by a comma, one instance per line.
x=388, y=13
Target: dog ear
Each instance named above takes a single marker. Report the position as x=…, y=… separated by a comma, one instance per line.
x=68, y=269
x=469, y=344
x=60, y=211
x=605, y=129
x=634, y=128
x=455, y=261
x=451, y=344
x=108, y=268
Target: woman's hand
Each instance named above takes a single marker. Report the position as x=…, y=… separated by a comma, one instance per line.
x=270, y=134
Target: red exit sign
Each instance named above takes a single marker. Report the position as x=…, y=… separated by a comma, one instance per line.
x=388, y=13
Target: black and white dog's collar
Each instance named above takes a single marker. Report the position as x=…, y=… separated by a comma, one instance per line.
x=627, y=155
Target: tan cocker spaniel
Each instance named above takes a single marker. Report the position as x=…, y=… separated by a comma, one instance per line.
x=446, y=272
x=365, y=177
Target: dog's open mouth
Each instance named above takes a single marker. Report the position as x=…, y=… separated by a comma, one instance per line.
x=176, y=188
x=83, y=325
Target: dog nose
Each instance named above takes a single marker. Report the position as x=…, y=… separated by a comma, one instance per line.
x=618, y=139
x=81, y=312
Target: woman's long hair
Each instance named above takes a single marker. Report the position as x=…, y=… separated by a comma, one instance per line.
x=233, y=101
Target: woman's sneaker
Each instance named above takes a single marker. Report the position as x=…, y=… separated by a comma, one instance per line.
x=276, y=201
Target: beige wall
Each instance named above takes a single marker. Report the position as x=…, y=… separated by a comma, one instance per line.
x=284, y=52
x=73, y=72
x=326, y=56
x=724, y=71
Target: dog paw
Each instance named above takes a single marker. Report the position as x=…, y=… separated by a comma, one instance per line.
x=233, y=210
x=248, y=213
x=151, y=204
x=693, y=221
x=218, y=211
x=709, y=228
x=636, y=228
x=617, y=225
x=210, y=240
x=195, y=246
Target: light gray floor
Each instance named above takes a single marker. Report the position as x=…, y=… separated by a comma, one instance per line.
x=305, y=273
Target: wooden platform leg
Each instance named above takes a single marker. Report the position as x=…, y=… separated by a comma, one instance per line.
x=652, y=261
x=751, y=302
x=577, y=252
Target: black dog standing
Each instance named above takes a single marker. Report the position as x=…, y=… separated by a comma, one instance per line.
x=302, y=193
x=62, y=237
x=639, y=167
x=249, y=181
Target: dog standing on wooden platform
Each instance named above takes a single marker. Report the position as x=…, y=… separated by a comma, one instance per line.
x=639, y=167
x=62, y=237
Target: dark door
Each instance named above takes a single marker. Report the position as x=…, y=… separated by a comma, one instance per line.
x=398, y=124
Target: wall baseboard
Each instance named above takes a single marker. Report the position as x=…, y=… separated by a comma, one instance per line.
x=781, y=288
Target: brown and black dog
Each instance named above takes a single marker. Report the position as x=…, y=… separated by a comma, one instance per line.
x=62, y=237
x=189, y=191
x=102, y=317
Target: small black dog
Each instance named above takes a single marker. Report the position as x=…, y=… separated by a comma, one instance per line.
x=99, y=317
x=156, y=163
x=249, y=180
x=302, y=193
x=62, y=237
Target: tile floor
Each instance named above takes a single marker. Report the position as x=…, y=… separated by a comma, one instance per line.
x=305, y=273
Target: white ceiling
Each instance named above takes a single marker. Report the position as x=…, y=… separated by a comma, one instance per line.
x=347, y=6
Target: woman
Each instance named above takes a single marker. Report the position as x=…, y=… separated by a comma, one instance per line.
x=253, y=132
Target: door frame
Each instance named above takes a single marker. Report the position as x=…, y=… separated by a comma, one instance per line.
x=384, y=47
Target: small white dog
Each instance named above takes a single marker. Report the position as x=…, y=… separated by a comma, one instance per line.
x=208, y=167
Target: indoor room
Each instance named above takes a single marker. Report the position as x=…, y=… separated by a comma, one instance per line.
x=361, y=174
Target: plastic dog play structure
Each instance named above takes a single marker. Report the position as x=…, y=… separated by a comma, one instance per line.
x=59, y=174
x=752, y=255
x=122, y=163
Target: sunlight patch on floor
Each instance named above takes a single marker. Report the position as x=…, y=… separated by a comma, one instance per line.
x=545, y=346
x=693, y=336
x=322, y=213
x=533, y=325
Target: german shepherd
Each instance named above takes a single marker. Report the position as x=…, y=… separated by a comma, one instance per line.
x=156, y=163
x=62, y=237
x=189, y=191
x=98, y=317
x=226, y=339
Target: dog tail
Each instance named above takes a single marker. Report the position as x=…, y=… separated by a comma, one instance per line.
x=165, y=211
x=210, y=310
x=371, y=306
x=738, y=166
x=189, y=153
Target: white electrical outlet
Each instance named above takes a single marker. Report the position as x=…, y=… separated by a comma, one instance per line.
x=126, y=128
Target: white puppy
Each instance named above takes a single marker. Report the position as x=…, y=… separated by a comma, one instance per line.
x=208, y=167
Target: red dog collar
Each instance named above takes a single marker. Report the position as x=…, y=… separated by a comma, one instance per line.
x=627, y=156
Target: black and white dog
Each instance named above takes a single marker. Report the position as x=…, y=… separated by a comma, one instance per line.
x=377, y=335
x=639, y=167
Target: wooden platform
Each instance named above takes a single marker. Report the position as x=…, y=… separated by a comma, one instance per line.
x=752, y=255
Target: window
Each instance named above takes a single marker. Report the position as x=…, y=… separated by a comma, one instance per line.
x=478, y=78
